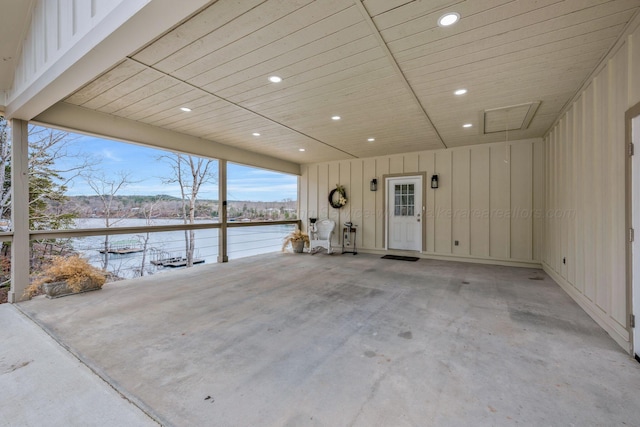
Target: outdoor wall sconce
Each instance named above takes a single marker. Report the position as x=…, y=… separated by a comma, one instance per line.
x=434, y=181
x=373, y=185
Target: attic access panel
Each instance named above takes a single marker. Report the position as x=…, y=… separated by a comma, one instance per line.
x=514, y=117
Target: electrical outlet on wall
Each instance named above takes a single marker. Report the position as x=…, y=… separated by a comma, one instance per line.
x=456, y=243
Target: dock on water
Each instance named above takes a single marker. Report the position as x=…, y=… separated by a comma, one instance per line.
x=174, y=262
x=123, y=247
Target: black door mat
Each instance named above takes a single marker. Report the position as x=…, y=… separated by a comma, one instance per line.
x=401, y=258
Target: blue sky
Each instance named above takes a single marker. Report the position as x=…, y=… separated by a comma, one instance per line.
x=147, y=173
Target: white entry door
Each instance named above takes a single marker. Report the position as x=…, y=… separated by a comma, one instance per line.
x=404, y=213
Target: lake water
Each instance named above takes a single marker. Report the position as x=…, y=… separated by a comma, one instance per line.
x=242, y=242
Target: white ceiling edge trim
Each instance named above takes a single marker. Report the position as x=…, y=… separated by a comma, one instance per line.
x=81, y=120
x=625, y=36
x=98, y=51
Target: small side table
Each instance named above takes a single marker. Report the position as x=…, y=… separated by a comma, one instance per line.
x=349, y=235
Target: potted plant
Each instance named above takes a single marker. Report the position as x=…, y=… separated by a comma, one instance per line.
x=65, y=276
x=298, y=241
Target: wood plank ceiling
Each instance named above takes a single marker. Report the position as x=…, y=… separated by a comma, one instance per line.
x=384, y=66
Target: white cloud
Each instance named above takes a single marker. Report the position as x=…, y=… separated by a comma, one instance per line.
x=108, y=154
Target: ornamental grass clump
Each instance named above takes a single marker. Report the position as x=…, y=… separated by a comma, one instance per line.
x=295, y=236
x=76, y=272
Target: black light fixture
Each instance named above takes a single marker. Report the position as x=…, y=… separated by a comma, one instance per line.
x=373, y=185
x=434, y=181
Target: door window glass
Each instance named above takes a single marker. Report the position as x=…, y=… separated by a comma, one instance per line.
x=404, y=200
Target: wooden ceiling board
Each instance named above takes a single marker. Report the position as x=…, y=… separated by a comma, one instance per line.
x=162, y=85
x=123, y=88
x=243, y=26
x=561, y=61
x=385, y=67
x=121, y=72
x=201, y=103
x=524, y=83
x=207, y=21
x=345, y=138
x=395, y=146
x=575, y=45
x=567, y=26
x=399, y=143
x=322, y=94
x=513, y=97
x=227, y=112
x=414, y=10
x=476, y=15
x=538, y=46
x=234, y=58
x=202, y=108
x=256, y=75
x=179, y=95
x=349, y=107
x=377, y=7
x=288, y=148
x=304, y=73
x=539, y=125
x=336, y=73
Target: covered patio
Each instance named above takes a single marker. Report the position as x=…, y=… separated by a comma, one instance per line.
x=509, y=133
x=292, y=340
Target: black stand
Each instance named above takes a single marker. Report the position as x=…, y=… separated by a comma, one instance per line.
x=349, y=234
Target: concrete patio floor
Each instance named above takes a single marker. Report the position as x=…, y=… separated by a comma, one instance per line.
x=42, y=384
x=300, y=340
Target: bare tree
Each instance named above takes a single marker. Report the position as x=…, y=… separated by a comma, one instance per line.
x=106, y=188
x=148, y=210
x=190, y=173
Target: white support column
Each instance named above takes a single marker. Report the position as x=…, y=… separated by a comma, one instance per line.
x=19, y=210
x=222, y=208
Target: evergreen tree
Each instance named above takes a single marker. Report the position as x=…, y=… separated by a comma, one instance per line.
x=47, y=182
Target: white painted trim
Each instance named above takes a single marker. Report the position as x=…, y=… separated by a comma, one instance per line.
x=20, y=250
x=222, y=211
x=127, y=28
x=587, y=306
x=81, y=120
x=454, y=258
x=387, y=207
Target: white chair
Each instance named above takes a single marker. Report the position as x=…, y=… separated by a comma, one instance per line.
x=320, y=235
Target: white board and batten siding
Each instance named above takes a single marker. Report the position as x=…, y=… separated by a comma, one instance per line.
x=490, y=199
x=56, y=26
x=585, y=191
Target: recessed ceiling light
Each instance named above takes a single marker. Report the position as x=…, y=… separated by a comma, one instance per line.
x=185, y=109
x=371, y=139
x=255, y=134
x=301, y=149
x=448, y=18
x=335, y=118
x=275, y=79
x=460, y=92
x=467, y=125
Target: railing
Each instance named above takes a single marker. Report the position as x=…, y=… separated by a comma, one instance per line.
x=153, y=249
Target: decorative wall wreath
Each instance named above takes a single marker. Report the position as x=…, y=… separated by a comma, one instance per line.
x=341, y=199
